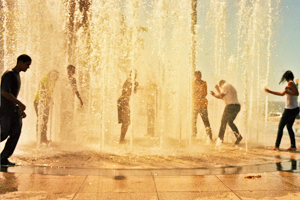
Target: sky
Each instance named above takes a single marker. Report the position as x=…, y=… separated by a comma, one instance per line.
x=285, y=40
x=286, y=52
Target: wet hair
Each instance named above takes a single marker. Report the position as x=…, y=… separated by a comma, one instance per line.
x=222, y=82
x=288, y=75
x=197, y=72
x=70, y=67
x=23, y=58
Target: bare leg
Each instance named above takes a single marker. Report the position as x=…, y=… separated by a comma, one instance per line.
x=195, y=115
x=124, y=129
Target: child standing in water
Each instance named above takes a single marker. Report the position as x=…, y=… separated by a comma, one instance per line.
x=123, y=104
x=291, y=109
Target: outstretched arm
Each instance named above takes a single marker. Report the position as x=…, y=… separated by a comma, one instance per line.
x=275, y=93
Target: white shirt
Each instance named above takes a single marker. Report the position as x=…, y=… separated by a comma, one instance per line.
x=291, y=101
x=230, y=94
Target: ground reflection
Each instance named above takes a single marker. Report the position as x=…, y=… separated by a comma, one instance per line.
x=291, y=165
x=8, y=181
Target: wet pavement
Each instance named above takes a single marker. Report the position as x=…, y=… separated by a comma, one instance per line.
x=266, y=175
x=273, y=181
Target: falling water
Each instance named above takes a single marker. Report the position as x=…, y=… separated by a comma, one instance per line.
x=107, y=39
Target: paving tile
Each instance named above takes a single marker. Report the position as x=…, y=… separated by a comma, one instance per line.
x=269, y=195
x=189, y=183
x=23, y=195
x=36, y=183
x=182, y=172
x=286, y=174
x=43, y=176
x=7, y=175
x=8, y=182
x=292, y=180
x=131, y=173
x=36, y=195
x=116, y=196
x=94, y=184
x=196, y=195
x=267, y=182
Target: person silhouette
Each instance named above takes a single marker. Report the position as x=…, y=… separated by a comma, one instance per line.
x=123, y=103
x=291, y=109
x=12, y=110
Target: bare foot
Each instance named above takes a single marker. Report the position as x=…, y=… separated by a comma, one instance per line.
x=275, y=148
x=291, y=149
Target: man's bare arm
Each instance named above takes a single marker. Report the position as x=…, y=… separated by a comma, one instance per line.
x=13, y=99
x=218, y=96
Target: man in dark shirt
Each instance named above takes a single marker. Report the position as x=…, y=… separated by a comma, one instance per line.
x=11, y=109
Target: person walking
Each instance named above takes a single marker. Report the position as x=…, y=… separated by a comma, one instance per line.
x=12, y=110
x=229, y=94
x=291, y=109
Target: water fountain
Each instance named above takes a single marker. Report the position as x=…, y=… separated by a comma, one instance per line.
x=107, y=39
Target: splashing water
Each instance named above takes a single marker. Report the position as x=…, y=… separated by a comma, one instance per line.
x=107, y=39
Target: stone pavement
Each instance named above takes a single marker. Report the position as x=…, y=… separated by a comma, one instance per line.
x=275, y=175
x=266, y=181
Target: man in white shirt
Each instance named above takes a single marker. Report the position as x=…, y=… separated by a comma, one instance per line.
x=229, y=95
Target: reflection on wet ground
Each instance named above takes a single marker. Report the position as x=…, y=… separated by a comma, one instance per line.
x=229, y=173
x=286, y=166
x=198, y=159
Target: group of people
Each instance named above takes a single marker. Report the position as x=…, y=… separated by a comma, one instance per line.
x=44, y=100
x=12, y=110
x=226, y=92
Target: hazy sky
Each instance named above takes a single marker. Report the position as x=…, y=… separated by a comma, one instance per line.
x=286, y=53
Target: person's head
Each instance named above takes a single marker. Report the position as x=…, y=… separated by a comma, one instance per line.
x=221, y=83
x=198, y=75
x=71, y=70
x=53, y=75
x=287, y=76
x=23, y=62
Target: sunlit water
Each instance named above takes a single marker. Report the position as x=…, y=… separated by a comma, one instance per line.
x=105, y=40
